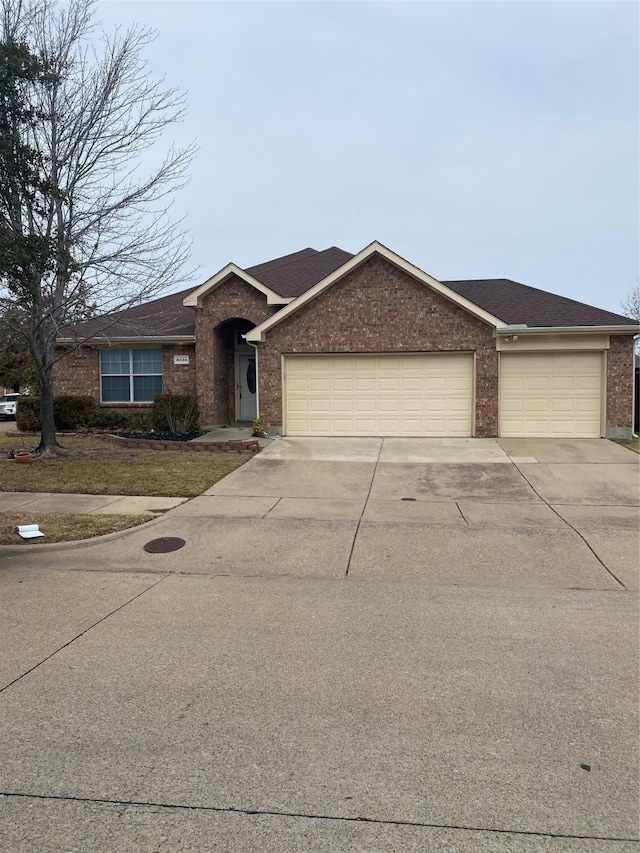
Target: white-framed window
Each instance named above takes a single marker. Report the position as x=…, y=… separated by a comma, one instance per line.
x=130, y=375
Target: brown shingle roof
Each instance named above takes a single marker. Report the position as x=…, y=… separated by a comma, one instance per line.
x=516, y=303
x=166, y=316
x=294, y=274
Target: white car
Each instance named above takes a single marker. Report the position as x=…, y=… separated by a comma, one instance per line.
x=8, y=403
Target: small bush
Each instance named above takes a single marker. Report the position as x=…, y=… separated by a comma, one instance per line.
x=259, y=426
x=28, y=414
x=107, y=419
x=177, y=413
x=116, y=419
x=71, y=411
x=139, y=419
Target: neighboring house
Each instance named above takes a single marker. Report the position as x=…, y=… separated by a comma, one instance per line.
x=329, y=343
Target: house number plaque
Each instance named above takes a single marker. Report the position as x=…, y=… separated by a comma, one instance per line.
x=181, y=359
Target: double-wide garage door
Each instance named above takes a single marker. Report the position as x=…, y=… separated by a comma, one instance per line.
x=379, y=395
x=551, y=395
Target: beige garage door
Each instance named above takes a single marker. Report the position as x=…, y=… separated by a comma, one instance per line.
x=379, y=395
x=556, y=395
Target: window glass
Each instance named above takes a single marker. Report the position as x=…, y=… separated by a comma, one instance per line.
x=115, y=389
x=130, y=376
x=145, y=387
x=115, y=361
x=251, y=376
x=147, y=361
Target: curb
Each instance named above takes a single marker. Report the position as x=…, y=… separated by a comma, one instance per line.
x=48, y=548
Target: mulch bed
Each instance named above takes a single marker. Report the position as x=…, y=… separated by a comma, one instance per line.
x=159, y=436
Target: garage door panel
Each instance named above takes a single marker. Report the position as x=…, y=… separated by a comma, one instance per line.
x=340, y=406
x=409, y=405
x=408, y=394
x=551, y=395
x=391, y=384
x=362, y=383
x=410, y=384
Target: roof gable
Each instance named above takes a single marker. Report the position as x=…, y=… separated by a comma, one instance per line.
x=257, y=334
x=194, y=299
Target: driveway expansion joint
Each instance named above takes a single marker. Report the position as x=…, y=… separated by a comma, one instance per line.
x=81, y=634
x=575, y=529
x=366, y=501
x=530, y=833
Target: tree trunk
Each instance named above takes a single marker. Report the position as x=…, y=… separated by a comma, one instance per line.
x=48, y=443
x=41, y=351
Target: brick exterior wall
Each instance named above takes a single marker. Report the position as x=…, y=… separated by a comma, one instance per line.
x=619, y=387
x=232, y=305
x=179, y=378
x=379, y=308
x=78, y=373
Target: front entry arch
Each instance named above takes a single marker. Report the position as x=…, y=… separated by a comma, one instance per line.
x=234, y=373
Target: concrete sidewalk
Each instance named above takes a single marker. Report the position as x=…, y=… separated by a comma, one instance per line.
x=87, y=504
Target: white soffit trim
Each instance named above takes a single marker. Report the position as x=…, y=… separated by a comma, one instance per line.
x=631, y=329
x=375, y=248
x=107, y=340
x=195, y=297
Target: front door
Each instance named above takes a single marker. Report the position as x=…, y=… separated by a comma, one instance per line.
x=246, y=388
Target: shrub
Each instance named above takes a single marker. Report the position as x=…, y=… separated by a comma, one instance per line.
x=115, y=419
x=28, y=414
x=107, y=419
x=139, y=419
x=177, y=413
x=71, y=411
x=118, y=419
x=259, y=427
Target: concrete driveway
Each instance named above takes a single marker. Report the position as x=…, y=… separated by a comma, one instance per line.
x=364, y=645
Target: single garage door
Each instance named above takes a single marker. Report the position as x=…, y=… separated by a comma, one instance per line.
x=555, y=395
x=379, y=395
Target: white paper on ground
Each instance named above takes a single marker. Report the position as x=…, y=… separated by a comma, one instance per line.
x=28, y=531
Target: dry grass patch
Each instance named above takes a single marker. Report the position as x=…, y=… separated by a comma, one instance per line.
x=106, y=468
x=59, y=527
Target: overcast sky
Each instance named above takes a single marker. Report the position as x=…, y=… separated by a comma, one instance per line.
x=476, y=139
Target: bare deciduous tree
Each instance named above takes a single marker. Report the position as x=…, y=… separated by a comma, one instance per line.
x=631, y=308
x=631, y=305
x=90, y=230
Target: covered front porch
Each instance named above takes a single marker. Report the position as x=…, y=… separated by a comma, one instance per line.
x=235, y=397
